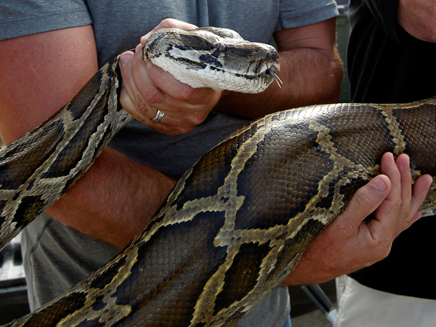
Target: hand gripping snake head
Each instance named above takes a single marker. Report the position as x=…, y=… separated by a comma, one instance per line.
x=212, y=57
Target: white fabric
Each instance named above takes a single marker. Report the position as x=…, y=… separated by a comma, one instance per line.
x=361, y=306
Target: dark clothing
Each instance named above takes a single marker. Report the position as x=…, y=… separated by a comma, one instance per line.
x=386, y=64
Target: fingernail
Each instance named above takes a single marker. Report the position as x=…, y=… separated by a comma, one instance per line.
x=379, y=184
x=125, y=58
x=138, y=48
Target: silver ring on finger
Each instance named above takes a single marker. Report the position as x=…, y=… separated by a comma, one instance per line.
x=159, y=115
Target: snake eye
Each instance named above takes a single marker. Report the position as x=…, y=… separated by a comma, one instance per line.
x=221, y=47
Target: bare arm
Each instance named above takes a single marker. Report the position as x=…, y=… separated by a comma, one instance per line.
x=39, y=74
x=312, y=72
x=310, y=68
x=350, y=243
x=418, y=18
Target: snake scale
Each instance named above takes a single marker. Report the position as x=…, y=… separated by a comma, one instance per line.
x=238, y=221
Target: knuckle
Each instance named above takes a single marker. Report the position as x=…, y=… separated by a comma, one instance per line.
x=167, y=22
x=384, y=251
x=184, y=130
x=398, y=203
x=408, y=216
x=215, y=98
x=142, y=107
x=185, y=93
x=381, y=249
x=182, y=127
x=197, y=119
x=362, y=199
x=151, y=96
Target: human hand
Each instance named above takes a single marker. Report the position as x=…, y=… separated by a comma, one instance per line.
x=147, y=88
x=350, y=243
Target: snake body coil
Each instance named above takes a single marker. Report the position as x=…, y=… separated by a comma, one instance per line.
x=234, y=226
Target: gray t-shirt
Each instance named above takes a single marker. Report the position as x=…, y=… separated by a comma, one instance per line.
x=56, y=256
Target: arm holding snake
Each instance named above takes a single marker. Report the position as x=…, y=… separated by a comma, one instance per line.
x=133, y=181
x=63, y=61
x=363, y=244
x=55, y=55
x=349, y=243
x=310, y=68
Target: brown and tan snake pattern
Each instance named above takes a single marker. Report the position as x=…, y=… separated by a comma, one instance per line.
x=234, y=226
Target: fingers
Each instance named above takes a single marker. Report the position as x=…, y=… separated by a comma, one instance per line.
x=138, y=93
x=392, y=198
x=401, y=208
x=412, y=197
x=147, y=89
x=351, y=242
x=343, y=247
x=403, y=164
x=168, y=23
x=420, y=190
x=364, y=202
x=387, y=216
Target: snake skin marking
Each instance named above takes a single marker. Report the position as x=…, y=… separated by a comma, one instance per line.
x=237, y=222
x=208, y=53
x=40, y=166
x=52, y=156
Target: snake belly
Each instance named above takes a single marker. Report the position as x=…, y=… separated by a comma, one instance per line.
x=239, y=220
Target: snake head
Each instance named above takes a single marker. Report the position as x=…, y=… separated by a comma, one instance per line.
x=212, y=57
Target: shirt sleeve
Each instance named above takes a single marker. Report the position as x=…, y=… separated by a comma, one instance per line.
x=294, y=13
x=25, y=17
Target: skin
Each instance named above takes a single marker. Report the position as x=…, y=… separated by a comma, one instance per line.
x=41, y=72
x=418, y=19
x=317, y=82
x=349, y=243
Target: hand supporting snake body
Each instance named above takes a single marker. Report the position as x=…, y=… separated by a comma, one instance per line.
x=248, y=208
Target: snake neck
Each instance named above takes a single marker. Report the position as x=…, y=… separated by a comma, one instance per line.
x=85, y=125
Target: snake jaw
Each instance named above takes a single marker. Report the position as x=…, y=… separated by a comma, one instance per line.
x=276, y=183
x=214, y=58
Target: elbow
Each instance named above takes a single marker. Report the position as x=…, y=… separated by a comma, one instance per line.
x=417, y=19
x=430, y=34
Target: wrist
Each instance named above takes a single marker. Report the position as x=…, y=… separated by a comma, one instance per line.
x=114, y=200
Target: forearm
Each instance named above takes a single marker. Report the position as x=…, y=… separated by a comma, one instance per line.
x=309, y=77
x=351, y=241
x=114, y=200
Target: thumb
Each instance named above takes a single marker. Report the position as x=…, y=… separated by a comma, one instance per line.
x=363, y=203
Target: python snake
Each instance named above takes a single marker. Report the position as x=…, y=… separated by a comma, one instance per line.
x=238, y=221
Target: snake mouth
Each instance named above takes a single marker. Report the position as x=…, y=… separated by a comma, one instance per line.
x=207, y=58
x=271, y=73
